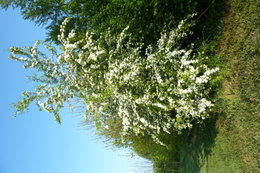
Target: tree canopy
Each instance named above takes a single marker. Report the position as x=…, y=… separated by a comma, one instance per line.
x=145, y=19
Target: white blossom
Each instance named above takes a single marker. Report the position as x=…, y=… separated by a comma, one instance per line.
x=115, y=81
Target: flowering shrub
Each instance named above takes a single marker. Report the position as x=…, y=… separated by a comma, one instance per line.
x=164, y=89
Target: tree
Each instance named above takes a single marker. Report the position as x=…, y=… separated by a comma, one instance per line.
x=146, y=19
x=166, y=88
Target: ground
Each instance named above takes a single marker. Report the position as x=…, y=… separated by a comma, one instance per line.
x=229, y=142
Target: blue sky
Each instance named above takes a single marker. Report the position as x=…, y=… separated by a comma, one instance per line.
x=34, y=142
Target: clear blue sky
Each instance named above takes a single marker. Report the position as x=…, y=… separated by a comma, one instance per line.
x=33, y=142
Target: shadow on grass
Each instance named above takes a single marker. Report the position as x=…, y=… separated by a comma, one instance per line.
x=196, y=146
x=192, y=151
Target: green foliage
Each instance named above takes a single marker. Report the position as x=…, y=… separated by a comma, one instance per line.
x=145, y=19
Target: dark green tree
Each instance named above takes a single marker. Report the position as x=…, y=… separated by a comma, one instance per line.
x=146, y=19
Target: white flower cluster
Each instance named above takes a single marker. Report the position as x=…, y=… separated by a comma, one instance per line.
x=163, y=90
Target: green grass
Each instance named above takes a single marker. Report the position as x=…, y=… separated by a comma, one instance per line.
x=229, y=142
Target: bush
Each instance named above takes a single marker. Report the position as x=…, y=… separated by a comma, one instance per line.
x=164, y=89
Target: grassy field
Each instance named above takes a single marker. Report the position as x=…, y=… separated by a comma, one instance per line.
x=229, y=142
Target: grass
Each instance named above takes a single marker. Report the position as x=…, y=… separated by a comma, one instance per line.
x=229, y=142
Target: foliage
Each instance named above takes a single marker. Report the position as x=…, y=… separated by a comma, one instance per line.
x=163, y=90
x=145, y=19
